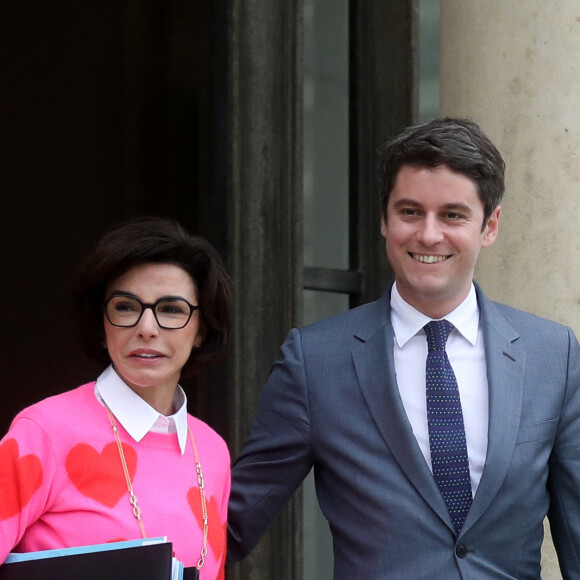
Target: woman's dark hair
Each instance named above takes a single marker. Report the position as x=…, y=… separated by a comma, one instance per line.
x=154, y=240
x=460, y=144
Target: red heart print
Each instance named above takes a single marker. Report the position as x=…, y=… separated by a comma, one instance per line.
x=217, y=529
x=20, y=477
x=100, y=476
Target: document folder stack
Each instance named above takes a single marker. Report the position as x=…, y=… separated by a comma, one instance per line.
x=149, y=559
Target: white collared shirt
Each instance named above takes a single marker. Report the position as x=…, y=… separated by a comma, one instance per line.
x=466, y=352
x=135, y=415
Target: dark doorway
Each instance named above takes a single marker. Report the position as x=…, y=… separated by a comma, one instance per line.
x=108, y=109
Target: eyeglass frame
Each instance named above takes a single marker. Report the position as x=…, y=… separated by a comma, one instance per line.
x=152, y=306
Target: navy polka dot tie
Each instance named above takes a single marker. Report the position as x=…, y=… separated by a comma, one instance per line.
x=446, y=430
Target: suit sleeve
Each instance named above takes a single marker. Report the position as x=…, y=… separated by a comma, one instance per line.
x=276, y=456
x=564, y=477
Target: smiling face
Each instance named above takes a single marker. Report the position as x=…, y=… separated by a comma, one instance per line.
x=149, y=358
x=433, y=232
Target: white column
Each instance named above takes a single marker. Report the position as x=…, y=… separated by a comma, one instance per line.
x=514, y=68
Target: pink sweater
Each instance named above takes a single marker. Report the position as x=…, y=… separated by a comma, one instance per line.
x=62, y=484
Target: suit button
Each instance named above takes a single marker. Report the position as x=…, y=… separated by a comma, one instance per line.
x=461, y=551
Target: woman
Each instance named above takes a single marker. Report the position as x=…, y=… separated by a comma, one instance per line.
x=119, y=458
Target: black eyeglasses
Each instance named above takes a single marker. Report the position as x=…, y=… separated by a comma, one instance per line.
x=170, y=313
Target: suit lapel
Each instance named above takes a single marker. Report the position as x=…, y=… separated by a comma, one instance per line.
x=374, y=365
x=505, y=375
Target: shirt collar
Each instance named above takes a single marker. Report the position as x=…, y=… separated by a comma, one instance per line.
x=407, y=321
x=135, y=415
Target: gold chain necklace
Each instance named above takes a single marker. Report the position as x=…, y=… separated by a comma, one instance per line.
x=133, y=498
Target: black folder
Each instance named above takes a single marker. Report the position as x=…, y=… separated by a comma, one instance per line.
x=148, y=562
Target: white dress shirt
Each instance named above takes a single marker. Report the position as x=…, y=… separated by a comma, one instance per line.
x=135, y=415
x=466, y=353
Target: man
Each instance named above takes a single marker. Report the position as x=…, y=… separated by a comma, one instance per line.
x=434, y=457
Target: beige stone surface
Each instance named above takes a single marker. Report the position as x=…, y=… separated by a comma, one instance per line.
x=514, y=67
x=550, y=569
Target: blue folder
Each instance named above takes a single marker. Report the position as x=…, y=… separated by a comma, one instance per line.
x=115, y=561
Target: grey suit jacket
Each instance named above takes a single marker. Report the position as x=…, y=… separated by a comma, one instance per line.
x=332, y=403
